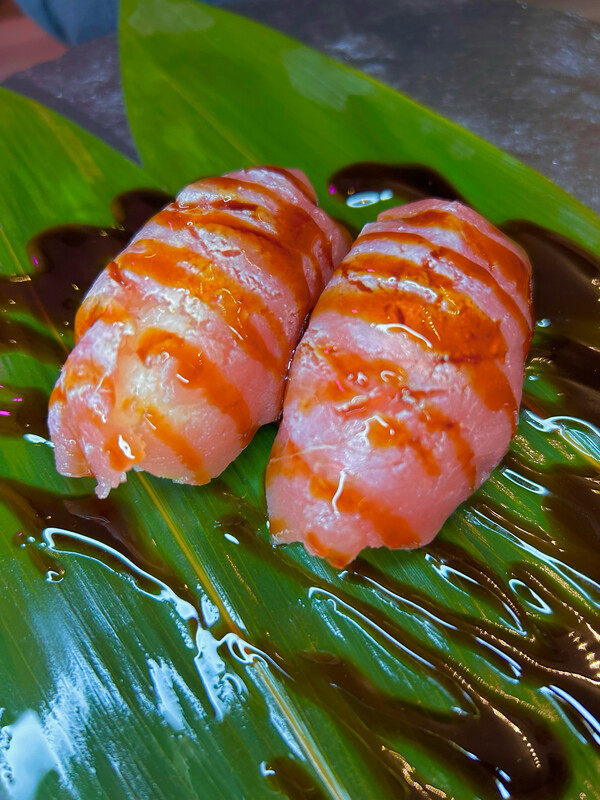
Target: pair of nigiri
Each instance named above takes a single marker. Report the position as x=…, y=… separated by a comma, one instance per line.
x=401, y=397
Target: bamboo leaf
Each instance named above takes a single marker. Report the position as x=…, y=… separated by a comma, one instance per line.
x=232, y=92
x=53, y=173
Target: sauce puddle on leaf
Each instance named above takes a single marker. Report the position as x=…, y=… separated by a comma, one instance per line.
x=545, y=601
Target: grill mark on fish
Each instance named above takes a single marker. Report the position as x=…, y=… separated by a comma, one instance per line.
x=178, y=444
x=383, y=383
x=447, y=317
x=293, y=224
x=207, y=282
x=393, y=529
x=99, y=308
x=198, y=372
x=448, y=323
x=283, y=262
x=464, y=265
x=498, y=255
x=299, y=184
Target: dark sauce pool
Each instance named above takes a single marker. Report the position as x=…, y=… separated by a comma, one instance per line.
x=502, y=747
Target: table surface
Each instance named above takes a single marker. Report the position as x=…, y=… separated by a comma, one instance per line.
x=526, y=79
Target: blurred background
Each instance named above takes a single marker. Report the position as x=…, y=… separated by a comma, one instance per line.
x=522, y=75
x=53, y=25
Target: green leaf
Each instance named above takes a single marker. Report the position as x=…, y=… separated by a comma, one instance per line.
x=156, y=645
x=232, y=93
x=53, y=173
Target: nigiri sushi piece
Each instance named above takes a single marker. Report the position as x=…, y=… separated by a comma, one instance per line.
x=183, y=342
x=403, y=394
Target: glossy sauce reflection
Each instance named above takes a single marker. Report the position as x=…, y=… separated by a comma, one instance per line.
x=499, y=733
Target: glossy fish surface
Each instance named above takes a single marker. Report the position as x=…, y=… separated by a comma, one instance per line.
x=184, y=340
x=404, y=392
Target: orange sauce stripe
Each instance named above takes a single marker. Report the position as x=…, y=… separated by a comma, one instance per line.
x=210, y=284
x=294, y=226
x=393, y=530
x=464, y=265
x=183, y=449
x=198, y=372
x=511, y=265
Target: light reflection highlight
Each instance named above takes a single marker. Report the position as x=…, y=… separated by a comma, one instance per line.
x=223, y=687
